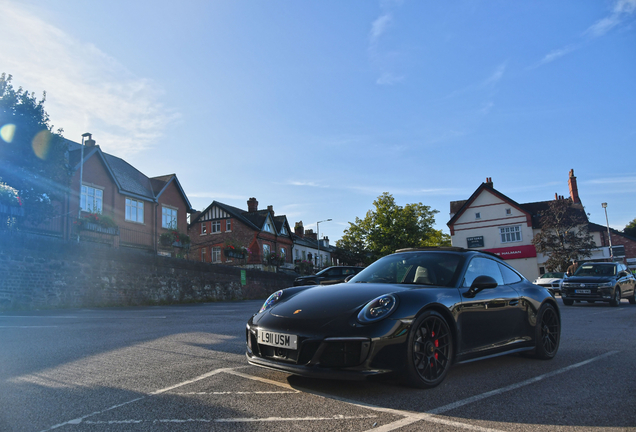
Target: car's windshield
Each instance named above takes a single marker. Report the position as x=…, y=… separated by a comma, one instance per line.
x=420, y=268
x=553, y=275
x=596, y=270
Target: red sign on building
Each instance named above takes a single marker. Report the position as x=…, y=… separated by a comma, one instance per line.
x=515, y=252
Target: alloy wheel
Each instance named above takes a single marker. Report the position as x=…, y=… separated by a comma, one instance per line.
x=432, y=349
x=550, y=331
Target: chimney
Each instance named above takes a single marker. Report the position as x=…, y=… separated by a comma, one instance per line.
x=89, y=142
x=270, y=209
x=574, y=190
x=489, y=181
x=252, y=205
x=299, y=229
x=311, y=234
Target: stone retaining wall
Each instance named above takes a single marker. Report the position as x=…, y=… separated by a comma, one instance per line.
x=39, y=272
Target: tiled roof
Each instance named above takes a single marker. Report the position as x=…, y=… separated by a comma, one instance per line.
x=129, y=180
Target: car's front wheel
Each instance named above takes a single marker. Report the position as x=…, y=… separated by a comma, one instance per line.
x=430, y=351
x=547, y=332
x=616, y=300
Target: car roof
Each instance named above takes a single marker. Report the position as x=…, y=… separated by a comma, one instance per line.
x=448, y=249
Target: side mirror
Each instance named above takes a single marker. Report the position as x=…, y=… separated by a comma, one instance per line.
x=480, y=283
x=348, y=278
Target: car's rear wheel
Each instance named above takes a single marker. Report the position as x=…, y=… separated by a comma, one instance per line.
x=568, y=302
x=547, y=332
x=616, y=300
x=430, y=351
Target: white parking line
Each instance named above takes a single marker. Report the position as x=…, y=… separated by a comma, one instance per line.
x=482, y=396
x=409, y=417
x=235, y=420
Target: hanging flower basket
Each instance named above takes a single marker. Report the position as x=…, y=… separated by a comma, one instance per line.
x=174, y=238
x=97, y=222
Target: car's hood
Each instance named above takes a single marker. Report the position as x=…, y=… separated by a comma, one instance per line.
x=329, y=301
x=588, y=279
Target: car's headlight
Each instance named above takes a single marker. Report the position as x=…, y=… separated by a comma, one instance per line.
x=271, y=300
x=378, y=309
x=606, y=285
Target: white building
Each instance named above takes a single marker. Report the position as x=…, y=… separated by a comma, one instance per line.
x=491, y=221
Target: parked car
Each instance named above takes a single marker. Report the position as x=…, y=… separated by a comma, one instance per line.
x=599, y=281
x=412, y=314
x=330, y=275
x=551, y=281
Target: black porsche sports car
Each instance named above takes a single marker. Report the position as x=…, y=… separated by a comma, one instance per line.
x=412, y=313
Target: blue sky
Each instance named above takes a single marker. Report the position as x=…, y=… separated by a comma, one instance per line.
x=318, y=107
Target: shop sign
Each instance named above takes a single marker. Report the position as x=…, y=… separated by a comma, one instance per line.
x=475, y=242
x=515, y=252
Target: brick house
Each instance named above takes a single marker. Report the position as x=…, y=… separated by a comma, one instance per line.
x=255, y=238
x=141, y=207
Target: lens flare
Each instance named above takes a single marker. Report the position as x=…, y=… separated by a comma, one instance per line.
x=42, y=144
x=7, y=132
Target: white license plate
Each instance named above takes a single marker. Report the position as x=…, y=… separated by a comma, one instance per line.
x=278, y=339
x=582, y=291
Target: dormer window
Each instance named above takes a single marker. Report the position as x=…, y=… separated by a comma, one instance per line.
x=283, y=230
x=268, y=227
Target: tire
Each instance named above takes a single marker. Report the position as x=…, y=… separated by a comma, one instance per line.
x=616, y=300
x=632, y=299
x=547, y=332
x=568, y=302
x=429, y=351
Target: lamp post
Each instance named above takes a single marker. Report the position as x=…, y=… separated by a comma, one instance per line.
x=79, y=191
x=318, y=237
x=609, y=235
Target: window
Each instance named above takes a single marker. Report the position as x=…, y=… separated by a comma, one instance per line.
x=168, y=217
x=297, y=253
x=283, y=230
x=283, y=254
x=134, y=210
x=228, y=225
x=508, y=212
x=91, y=199
x=304, y=255
x=477, y=215
x=510, y=234
x=216, y=254
x=203, y=255
x=215, y=226
x=482, y=267
x=266, y=250
x=204, y=228
x=510, y=276
x=268, y=227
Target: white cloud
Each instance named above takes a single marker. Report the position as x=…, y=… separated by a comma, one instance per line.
x=87, y=90
x=496, y=76
x=622, y=9
x=379, y=27
x=388, y=78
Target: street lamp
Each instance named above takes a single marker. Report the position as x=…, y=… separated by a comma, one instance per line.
x=609, y=235
x=79, y=196
x=318, y=237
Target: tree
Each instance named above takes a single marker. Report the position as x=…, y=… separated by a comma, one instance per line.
x=389, y=227
x=32, y=156
x=630, y=228
x=564, y=234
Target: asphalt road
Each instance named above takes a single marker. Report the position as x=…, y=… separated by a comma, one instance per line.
x=183, y=368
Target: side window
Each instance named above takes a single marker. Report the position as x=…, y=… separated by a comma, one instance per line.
x=482, y=267
x=509, y=275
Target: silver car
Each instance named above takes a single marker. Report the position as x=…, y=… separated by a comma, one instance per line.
x=551, y=281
